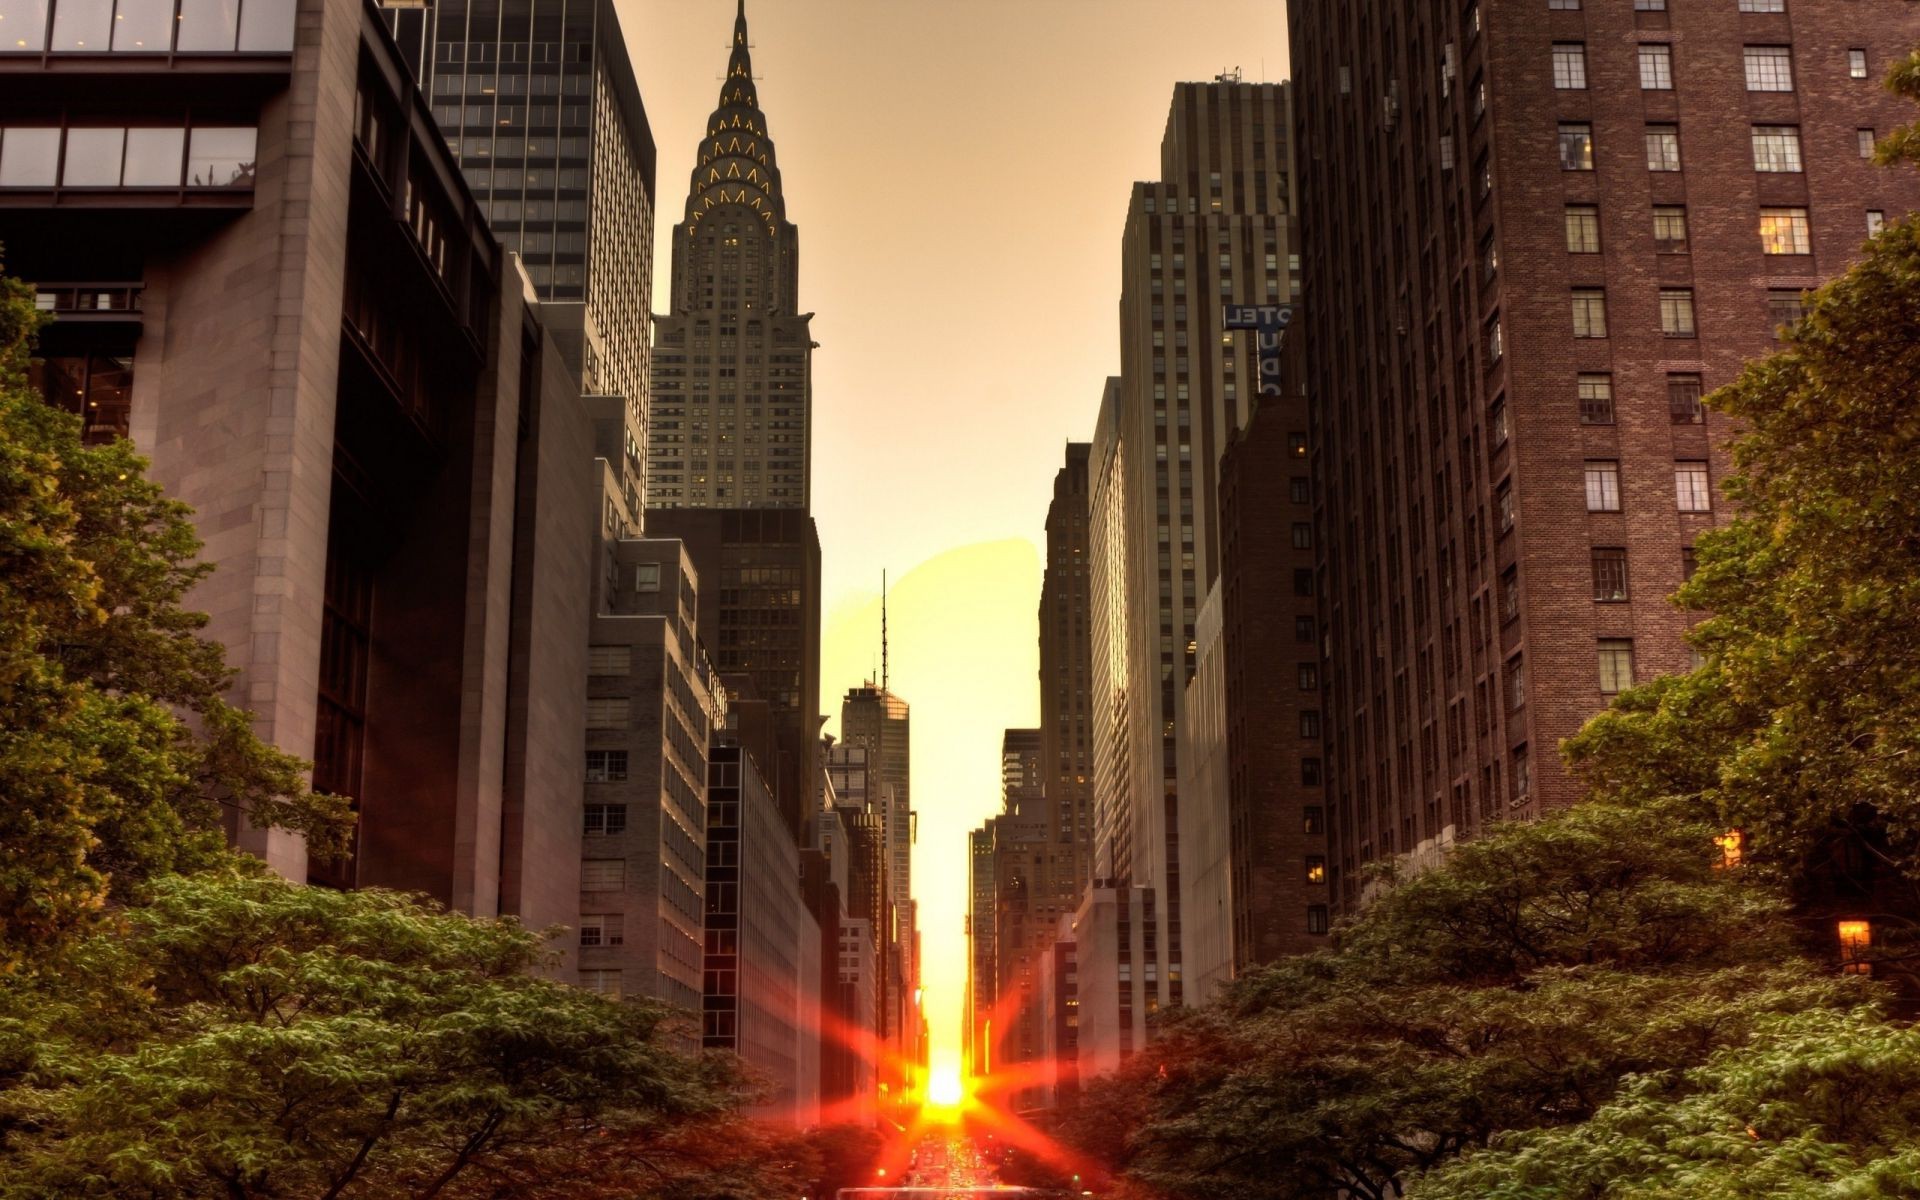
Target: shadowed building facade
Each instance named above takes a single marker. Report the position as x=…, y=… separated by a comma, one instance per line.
x=1535, y=234
x=270, y=274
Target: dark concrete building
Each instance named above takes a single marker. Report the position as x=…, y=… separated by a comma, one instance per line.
x=271, y=275
x=1066, y=667
x=1536, y=232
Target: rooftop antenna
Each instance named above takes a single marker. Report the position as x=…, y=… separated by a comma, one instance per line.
x=883, y=629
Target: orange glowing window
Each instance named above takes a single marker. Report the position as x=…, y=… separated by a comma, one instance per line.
x=1855, y=938
x=1731, y=844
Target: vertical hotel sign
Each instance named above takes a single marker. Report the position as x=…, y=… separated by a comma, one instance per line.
x=1269, y=323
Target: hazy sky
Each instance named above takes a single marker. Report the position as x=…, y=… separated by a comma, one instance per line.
x=959, y=172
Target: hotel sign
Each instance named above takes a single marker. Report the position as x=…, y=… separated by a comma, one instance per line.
x=1269, y=323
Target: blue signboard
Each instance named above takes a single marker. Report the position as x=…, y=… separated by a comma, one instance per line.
x=1269, y=323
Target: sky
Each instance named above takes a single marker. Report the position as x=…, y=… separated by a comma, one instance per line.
x=959, y=172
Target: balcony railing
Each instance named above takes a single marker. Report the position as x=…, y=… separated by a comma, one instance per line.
x=146, y=27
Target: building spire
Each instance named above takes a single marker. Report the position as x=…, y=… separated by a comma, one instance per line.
x=736, y=164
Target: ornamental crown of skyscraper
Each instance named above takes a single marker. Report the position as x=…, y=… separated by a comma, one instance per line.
x=736, y=162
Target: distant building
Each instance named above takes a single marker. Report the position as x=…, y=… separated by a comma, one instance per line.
x=1066, y=667
x=652, y=704
x=733, y=393
x=1115, y=978
x=1552, y=232
x=292, y=303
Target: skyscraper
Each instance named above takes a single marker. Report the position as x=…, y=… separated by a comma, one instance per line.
x=538, y=100
x=1213, y=230
x=732, y=401
x=1537, y=233
x=1066, y=667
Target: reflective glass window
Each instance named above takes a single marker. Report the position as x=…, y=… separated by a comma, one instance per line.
x=153, y=157
x=29, y=156
x=266, y=26
x=23, y=25
x=142, y=26
x=208, y=24
x=93, y=157
x=221, y=157
x=83, y=25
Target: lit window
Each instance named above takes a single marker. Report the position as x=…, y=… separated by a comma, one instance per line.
x=1769, y=68
x=1656, y=67
x=1616, y=665
x=1576, y=146
x=1603, y=486
x=1690, y=487
x=1316, y=869
x=1785, y=231
x=1776, y=148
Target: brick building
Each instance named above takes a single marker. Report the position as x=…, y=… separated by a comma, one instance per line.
x=1536, y=231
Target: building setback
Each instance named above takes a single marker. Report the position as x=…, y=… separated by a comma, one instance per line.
x=1535, y=234
x=269, y=273
x=733, y=392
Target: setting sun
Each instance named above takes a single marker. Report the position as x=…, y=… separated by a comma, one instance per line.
x=944, y=1089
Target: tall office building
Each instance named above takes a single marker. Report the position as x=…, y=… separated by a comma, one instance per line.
x=1538, y=232
x=1066, y=668
x=266, y=271
x=877, y=721
x=982, y=976
x=733, y=393
x=1213, y=230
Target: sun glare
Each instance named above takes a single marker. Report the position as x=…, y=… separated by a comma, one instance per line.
x=944, y=1089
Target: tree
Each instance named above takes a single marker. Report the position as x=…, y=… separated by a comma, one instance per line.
x=1513, y=987
x=241, y=1036
x=1817, y=1104
x=118, y=748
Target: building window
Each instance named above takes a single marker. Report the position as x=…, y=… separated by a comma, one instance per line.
x=1296, y=445
x=602, y=929
x=1596, y=399
x=606, y=766
x=1864, y=137
x=1785, y=231
x=604, y=983
x=1498, y=427
x=1649, y=5
x=1583, y=229
x=1776, y=148
x=1876, y=221
x=1785, y=308
x=1656, y=67
x=1317, y=919
x=1503, y=506
x=1769, y=68
x=1303, y=581
x=1610, y=573
x=1616, y=665
x=646, y=577
x=1569, y=65
x=607, y=712
x=1495, y=343
x=1690, y=487
x=1676, y=312
x=1589, y=313
x=1576, y=146
x=1603, y=486
x=1309, y=677
x=1564, y=5
x=1303, y=629
x=1510, y=595
x=1689, y=563
x=1670, y=228
x=1663, y=148
x=1763, y=5
x=1516, y=682
x=1313, y=819
x=1522, y=776
x=1316, y=869
x=609, y=660
x=603, y=874
x=605, y=820
x=1683, y=399
x=1310, y=723
x=1302, y=535
x=1309, y=772
x=1856, y=64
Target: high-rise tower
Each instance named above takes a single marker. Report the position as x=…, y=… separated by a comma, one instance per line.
x=1537, y=233
x=732, y=396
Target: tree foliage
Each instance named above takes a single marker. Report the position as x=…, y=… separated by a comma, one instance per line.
x=118, y=747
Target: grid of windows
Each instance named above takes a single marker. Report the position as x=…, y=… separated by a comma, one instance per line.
x=1663, y=148
x=1676, y=312
x=1583, y=229
x=1785, y=231
x=1616, y=665
x=1576, y=146
x=1569, y=65
x=1656, y=67
x=1596, y=399
x=602, y=929
x=1776, y=148
x=1610, y=573
x=1589, y=313
x=1690, y=487
x=1683, y=398
x=1603, y=486
x=605, y=819
x=1670, y=228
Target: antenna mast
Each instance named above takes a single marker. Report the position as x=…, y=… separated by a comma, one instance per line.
x=883, y=629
